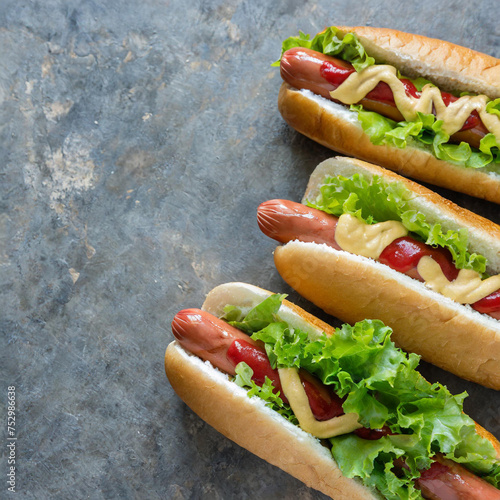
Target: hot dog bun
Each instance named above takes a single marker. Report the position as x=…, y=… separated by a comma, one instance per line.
x=248, y=422
x=452, y=67
x=445, y=333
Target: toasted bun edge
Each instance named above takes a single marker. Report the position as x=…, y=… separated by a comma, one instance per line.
x=450, y=66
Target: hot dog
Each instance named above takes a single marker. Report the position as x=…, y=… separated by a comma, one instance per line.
x=206, y=382
x=286, y=221
x=398, y=100
x=441, y=297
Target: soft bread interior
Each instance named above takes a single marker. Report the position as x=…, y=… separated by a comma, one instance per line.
x=352, y=288
x=484, y=235
x=451, y=67
x=337, y=128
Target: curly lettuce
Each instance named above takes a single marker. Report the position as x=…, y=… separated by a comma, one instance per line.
x=427, y=132
x=348, y=47
x=382, y=385
x=265, y=392
x=374, y=200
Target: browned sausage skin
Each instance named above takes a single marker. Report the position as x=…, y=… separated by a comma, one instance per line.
x=207, y=336
x=285, y=220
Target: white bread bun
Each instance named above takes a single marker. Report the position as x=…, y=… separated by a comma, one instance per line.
x=247, y=421
x=452, y=67
x=445, y=333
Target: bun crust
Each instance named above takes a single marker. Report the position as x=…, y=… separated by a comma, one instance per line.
x=452, y=67
x=337, y=128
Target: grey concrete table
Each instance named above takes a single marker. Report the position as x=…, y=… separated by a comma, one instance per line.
x=137, y=139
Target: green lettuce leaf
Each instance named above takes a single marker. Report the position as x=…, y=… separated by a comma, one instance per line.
x=490, y=147
x=474, y=451
x=373, y=462
x=257, y=318
x=329, y=42
x=381, y=384
x=379, y=381
x=427, y=132
x=376, y=201
x=244, y=375
x=493, y=107
x=265, y=392
x=419, y=82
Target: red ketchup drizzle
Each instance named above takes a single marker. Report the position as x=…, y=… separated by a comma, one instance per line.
x=325, y=404
x=404, y=254
x=373, y=434
x=489, y=305
x=256, y=358
x=382, y=92
x=335, y=74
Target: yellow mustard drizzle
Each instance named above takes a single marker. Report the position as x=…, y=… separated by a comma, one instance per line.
x=368, y=240
x=297, y=397
x=358, y=85
x=467, y=288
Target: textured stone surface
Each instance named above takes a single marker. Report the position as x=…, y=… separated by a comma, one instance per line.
x=137, y=139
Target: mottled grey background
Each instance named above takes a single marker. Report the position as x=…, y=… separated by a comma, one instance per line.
x=137, y=139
